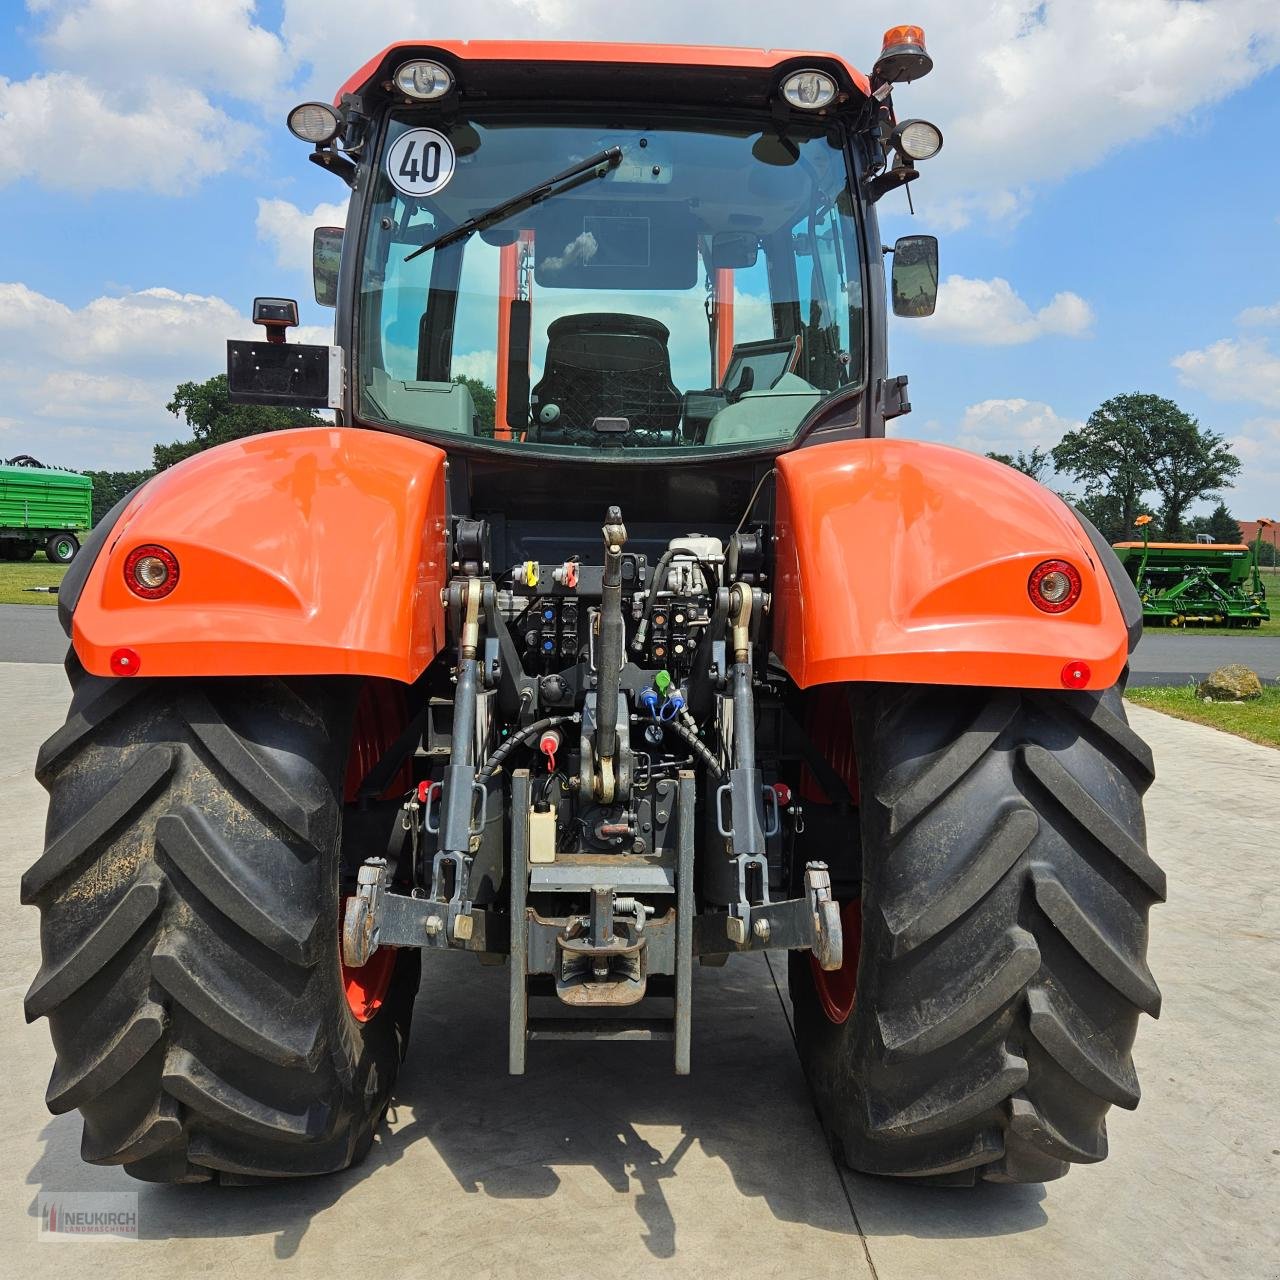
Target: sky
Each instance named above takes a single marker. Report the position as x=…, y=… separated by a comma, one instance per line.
x=1107, y=201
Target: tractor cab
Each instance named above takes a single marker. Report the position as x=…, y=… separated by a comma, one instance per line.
x=611, y=250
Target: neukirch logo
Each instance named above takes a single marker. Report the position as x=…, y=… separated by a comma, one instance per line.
x=87, y=1215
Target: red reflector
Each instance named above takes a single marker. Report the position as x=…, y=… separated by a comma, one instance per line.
x=125, y=662
x=783, y=792
x=424, y=790
x=1075, y=675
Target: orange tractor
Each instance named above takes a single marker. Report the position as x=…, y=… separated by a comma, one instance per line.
x=604, y=634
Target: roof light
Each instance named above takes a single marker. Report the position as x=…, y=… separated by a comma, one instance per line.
x=917, y=139
x=809, y=90
x=151, y=572
x=1054, y=586
x=425, y=81
x=902, y=56
x=314, y=122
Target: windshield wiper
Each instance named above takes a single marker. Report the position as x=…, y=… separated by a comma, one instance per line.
x=584, y=171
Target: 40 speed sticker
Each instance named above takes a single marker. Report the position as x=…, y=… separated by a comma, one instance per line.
x=420, y=162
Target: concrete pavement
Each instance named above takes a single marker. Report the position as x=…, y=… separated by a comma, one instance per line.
x=31, y=633
x=604, y=1161
x=1168, y=658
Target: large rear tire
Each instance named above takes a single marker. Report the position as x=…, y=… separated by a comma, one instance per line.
x=1002, y=965
x=189, y=893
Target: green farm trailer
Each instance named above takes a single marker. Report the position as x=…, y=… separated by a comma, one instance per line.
x=1196, y=582
x=42, y=507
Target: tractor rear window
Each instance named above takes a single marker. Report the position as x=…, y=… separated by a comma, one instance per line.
x=700, y=286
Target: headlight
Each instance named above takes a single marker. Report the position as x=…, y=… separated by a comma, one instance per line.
x=423, y=80
x=917, y=139
x=809, y=90
x=313, y=122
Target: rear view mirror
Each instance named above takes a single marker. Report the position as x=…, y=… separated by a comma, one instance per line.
x=734, y=250
x=915, y=276
x=326, y=257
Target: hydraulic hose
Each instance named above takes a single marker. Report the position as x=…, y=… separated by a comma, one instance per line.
x=697, y=746
x=495, y=762
x=669, y=556
x=659, y=576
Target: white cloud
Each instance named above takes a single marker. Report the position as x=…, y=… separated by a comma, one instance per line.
x=288, y=229
x=1233, y=369
x=1007, y=426
x=61, y=131
x=1024, y=93
x=990, y=313
x=1257, y=490
x=214, y=44
x=74, y=394
x=149, y=326
x=477, y=364
x=87, y=386
x=1260, y=315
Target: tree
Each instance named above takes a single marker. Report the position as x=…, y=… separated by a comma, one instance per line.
x=1186, y=462
x=1108, y=455
x=213, y=419
x=1033, y=464
x=1218, y=524
x=1104, y=511
x=485, y=400
x=110, y=486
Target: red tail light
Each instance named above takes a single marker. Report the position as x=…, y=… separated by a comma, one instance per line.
x=151, y=572
x=1054, y=586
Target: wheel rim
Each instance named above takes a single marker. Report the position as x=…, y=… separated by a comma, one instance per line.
x=838, y=988
x=63, y=550
x=366, y=986
x=380, y=719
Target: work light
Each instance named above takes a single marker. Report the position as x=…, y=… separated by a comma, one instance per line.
x=917, y=139
x=423, y=80
x=313, y=122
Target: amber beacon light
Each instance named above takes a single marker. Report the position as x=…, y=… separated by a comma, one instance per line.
x=903, y=57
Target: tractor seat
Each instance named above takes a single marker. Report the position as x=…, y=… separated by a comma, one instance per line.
x=605, y=365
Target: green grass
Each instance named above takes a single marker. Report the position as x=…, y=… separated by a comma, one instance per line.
x=15, y=576
x=1259, y=720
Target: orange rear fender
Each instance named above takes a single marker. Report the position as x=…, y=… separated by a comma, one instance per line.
x=907, y=562
x=320, y=551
